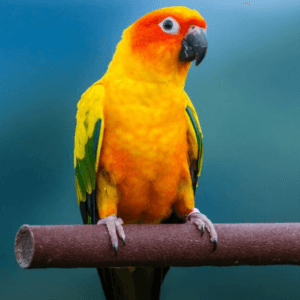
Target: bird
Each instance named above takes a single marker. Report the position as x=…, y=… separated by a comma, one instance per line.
x=138, y=141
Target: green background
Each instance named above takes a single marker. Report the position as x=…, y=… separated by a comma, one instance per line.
x=246, y=92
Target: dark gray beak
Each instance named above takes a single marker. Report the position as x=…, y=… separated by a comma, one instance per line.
x=194, y=45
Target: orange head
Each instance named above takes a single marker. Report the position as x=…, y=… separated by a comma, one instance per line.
x=161, y=45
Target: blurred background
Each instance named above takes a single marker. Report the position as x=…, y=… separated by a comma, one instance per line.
x=246, y=93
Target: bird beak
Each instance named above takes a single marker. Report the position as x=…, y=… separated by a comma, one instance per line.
x=194, y=45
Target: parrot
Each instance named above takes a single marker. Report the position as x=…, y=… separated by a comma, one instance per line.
x=138, y=141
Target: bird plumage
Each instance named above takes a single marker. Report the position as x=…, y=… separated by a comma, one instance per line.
x=138, y=141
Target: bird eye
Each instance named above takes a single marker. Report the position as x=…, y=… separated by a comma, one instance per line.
x=169, y=25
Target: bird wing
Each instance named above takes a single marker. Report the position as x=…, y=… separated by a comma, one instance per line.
x=194, y=141
x=88, y=142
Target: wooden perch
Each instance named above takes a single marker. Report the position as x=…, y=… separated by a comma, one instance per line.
x=89, y=246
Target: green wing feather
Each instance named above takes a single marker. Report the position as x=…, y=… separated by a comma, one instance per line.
x=88, y=142
x=195, y=138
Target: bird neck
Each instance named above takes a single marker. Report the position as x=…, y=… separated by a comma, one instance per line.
x=163, y=68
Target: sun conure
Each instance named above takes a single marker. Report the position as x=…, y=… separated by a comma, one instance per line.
x=138, y=141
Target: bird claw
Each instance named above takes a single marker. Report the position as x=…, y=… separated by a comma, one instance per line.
x=115, y=246
x=215, y=241
x=202, y=229
x=115, y=228
x=202, y=222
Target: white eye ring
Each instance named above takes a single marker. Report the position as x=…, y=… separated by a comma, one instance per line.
x=169, y=25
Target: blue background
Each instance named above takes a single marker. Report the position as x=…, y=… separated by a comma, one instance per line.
x=246, y=92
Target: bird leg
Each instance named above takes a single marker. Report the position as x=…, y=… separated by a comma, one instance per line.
x=202, y=222
x=115, y=228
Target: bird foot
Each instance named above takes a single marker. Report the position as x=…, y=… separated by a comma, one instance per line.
x=202, y=222
x=115, y=228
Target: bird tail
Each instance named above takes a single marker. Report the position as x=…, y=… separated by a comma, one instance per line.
x=132, y=284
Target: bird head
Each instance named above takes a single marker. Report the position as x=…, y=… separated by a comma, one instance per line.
x=161, y=45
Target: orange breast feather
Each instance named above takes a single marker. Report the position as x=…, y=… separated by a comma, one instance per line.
x=144, y=149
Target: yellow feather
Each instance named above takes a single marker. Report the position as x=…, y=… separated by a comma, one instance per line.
x=90, y=109
x=149, y=138
x=192, y=138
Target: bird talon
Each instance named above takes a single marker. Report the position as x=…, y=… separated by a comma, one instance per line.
x=115, y=229
x=215, y=241
x=202, y=229
x=115, y=246
x=202, y=222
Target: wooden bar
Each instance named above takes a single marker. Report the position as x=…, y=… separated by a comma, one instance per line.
x=181, y=245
